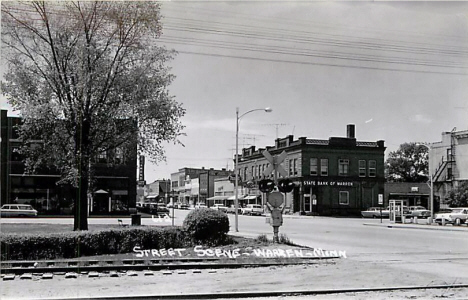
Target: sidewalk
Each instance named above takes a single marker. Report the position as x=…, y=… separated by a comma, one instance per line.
x=423, y=225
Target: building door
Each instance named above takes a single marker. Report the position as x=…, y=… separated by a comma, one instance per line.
x=307, y=203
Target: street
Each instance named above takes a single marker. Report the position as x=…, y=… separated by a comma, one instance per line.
x=440, y=254
x=376, y=257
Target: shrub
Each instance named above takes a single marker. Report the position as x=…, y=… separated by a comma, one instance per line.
x=76, y=244
x=207, y=226
x=262, y=238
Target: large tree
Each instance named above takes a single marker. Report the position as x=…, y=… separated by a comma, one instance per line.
x=458, y=197
x=408, y=164
x=87, y=77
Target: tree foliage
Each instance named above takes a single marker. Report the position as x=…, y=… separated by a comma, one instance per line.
x=458, y=197
x=408, y=164
x=88, y=77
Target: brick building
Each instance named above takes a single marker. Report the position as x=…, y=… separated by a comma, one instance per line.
x=182, y=184
x=338, y=176
x=114, y=189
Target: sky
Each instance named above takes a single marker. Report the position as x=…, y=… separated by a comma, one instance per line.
x=397, y=70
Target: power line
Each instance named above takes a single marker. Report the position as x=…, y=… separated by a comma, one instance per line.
x=320, y=64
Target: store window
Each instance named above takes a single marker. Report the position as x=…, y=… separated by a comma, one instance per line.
x=362, y=168
x=344, y=198
x=372, y=168
x=324, y=167
x=313, y=166
x=343, y=167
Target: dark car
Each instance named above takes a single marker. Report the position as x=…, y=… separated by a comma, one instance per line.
x=158, y=209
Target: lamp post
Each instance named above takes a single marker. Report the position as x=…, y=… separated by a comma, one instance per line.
x=236, y=192
x=431, y=181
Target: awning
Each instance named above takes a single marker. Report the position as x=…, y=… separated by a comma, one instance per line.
x=250, y=197
x=101, y=192
x=239, y=197
x=152, y=196
x=217, y=198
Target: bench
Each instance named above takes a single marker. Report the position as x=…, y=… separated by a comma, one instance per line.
x=121, y=223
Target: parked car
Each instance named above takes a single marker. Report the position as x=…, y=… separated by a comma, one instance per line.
x=456, y=215
x=419, y=211
x=374, y=212
x=159, y=209
x=17, y=210
x=184, y=206
x=232, y=210
x=220, y=207
x=200, y=205
x=252, y=209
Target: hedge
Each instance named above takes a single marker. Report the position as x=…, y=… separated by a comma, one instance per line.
x=76, y=244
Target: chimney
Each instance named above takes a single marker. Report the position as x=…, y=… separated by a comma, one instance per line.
x=350, y=131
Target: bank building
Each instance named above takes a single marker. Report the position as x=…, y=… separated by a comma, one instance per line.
x=339, y=176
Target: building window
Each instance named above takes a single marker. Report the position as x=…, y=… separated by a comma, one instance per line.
x=343, y=167
x=15, y=155
x=295, y=167
x=253, y=171
x=324, y=167
x=119, y=157
x=362, y=168
x=102, y=156
x=344, y=198
x=313, y=166
x=372, y=168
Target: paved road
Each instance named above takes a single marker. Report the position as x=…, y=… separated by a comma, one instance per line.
x=387, y=256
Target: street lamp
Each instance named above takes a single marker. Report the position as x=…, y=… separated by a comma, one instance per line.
x=431, y=180
x=236, y=197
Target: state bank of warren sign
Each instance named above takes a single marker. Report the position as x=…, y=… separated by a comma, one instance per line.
x=327, y=183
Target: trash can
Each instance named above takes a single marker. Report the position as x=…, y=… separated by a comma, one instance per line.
x=136, y=220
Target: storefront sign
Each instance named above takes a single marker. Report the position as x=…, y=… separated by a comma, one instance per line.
x=328, y=183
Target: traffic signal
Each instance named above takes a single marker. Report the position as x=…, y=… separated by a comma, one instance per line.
x=285, y=185
x=266, y=185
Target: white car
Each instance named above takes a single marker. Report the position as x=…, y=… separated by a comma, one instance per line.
x=252, y=209
x=419, y=211
x=374, y=212
x=220, y=207
x=456, y=216
x=17, y=210
x=201, y=205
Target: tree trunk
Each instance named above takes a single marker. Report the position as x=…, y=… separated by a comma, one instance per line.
x=81, y=199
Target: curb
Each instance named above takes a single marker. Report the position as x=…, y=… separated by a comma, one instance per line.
x=238, y=295
x=421, y=227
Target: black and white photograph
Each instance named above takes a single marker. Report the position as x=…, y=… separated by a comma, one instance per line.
x=217, y=149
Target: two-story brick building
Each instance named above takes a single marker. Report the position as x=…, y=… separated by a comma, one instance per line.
x=114, y=187
x=338, y=176
x=183, y=187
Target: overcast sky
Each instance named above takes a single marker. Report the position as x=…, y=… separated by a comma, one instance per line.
x=397, y=70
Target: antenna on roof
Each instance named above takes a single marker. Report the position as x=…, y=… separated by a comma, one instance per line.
x=276, y=125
